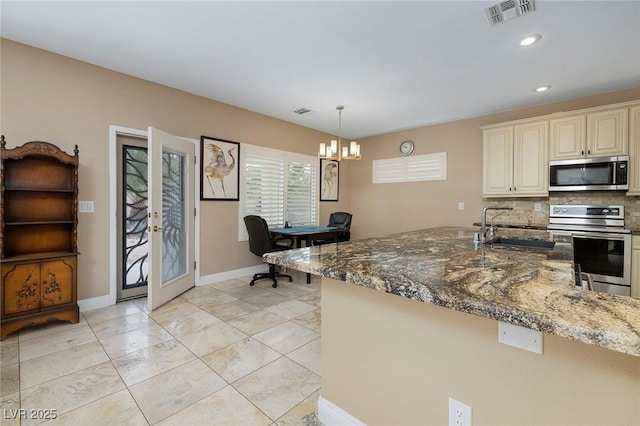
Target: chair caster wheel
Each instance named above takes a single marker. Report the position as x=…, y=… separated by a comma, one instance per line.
x=290, y=279
x=251, y=283
x=274, y=285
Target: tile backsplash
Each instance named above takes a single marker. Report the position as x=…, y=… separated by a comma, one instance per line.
x=524, y=212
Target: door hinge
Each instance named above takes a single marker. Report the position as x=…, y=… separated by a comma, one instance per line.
x=194, y=265
x=195, y=160
x=195, y=212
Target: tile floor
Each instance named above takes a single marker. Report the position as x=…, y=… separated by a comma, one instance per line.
x=225, y=353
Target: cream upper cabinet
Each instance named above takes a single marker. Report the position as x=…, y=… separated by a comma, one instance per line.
x=515, y=160
x=607, y=133
x=596, y=134
x=497, y=161
x=567, y=137
x=634, y=152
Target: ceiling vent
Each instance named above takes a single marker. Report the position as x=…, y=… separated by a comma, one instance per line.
x=302, y=111
x=507, y=10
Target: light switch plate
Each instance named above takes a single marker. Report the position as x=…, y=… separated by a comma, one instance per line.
x=85, y=206
x=461, y=205
x=520, y=337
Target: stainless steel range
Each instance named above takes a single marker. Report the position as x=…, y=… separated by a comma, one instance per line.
x=601, y=244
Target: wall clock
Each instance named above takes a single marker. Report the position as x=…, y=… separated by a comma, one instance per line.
x=406, y=147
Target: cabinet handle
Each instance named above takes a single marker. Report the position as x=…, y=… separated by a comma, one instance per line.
x=515, y=189
x=589, y=152
x=582, y=152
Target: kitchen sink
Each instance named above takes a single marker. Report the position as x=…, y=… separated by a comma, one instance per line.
x=523, y=243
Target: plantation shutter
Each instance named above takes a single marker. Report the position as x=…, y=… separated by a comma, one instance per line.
x=264, y=194
x=301, y=194
x=279, y=186
x=411, y=169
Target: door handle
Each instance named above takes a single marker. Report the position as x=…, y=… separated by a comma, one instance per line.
x=156, y=228
x=587, y=284
x=611, y=237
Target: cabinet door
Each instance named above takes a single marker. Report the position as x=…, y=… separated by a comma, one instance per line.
x=20, y=288
x=607, y=133
x=634, y=151
x=567, y=137
x=57, y=279
x=531, y=168
x=497, y=161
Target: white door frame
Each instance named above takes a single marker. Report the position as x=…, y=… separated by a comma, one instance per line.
x=114, y=132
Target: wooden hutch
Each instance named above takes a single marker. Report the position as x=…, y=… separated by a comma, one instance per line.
x=38, y=235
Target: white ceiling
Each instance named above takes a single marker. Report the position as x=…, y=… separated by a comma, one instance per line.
x=393, y=65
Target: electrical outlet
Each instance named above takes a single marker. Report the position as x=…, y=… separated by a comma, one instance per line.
x=461, y=205
x=537, y=207
x=459, y=413
x=85, y=206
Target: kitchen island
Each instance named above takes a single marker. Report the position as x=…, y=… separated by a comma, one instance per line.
x=392, y=360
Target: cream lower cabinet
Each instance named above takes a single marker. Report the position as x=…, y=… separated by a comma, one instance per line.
x=515, y=160
x=635, y=267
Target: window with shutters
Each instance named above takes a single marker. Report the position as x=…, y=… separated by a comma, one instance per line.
x=278, y=185
x=411, y=169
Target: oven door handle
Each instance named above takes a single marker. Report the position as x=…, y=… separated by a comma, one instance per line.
x=616, y=237
x=587, y=284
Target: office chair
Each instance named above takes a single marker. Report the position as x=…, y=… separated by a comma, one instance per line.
x=340, y=220
x=260, y=242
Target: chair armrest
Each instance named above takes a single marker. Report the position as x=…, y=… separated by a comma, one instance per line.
x=276, y=238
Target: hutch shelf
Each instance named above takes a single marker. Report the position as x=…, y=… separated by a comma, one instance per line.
x=38, y=235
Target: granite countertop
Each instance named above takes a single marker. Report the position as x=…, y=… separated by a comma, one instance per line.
x=442, y=266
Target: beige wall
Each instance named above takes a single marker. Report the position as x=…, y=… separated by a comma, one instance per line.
x=395, y=207
x=388, y=360
x=56, y=99
x=66, y=102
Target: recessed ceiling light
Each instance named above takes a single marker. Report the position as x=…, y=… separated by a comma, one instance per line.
x=543, y=88
x=530, y=39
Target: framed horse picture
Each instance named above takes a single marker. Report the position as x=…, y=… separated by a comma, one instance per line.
x=329, y=179
x=220, y=174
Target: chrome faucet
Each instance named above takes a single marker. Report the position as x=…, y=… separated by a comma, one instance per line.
x=483, y=226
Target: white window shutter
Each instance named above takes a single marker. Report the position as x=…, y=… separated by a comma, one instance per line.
x=279, y=186
x=411, y=169
x=391, y=170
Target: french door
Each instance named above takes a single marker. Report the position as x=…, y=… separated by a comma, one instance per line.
x=170, y=217
x=133, y=197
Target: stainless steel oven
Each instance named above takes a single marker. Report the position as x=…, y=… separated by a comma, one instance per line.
x=601, y=244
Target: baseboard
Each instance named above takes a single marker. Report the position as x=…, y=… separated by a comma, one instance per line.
x=95, y=303
x=104, y=301
x=229, y=275
x=330, y=414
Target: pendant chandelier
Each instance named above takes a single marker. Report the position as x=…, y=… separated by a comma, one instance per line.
x=335, y=150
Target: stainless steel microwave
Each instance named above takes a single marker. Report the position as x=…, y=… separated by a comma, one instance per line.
x=590, y=174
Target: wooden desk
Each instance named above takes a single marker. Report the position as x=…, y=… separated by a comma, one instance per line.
x=307, y=234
